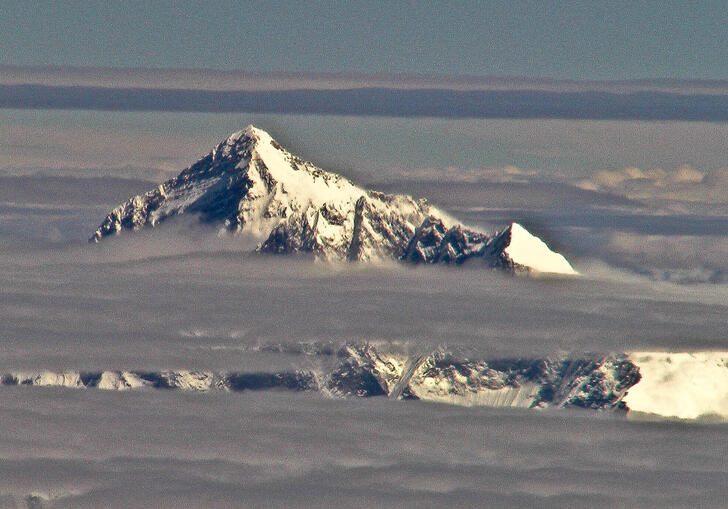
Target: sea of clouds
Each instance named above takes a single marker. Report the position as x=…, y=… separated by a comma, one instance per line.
x=645, y=230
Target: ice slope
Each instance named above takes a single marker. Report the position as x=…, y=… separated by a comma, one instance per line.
x=685, y=385
x=249, y=183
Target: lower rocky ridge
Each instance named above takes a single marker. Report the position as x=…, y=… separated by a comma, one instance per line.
x=433, y=242
x=593, y=382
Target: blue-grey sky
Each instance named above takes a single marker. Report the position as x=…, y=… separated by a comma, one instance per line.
x=577, y=40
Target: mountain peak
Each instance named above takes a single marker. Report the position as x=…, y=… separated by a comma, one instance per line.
x=524, y=248
x=249, y=183
x=242, y=140
x=250, y=132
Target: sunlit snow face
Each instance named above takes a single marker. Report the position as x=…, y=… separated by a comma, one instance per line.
x=528, y=250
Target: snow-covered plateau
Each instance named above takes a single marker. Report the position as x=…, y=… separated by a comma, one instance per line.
x=675, y=385
x=250, y=183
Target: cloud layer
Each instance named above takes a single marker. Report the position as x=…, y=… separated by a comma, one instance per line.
x=89, y=449
x=684, y=183
x=209, y=79
x=183, y=297
x=388, y=102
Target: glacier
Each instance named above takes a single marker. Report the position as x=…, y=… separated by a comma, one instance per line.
x=249, y=183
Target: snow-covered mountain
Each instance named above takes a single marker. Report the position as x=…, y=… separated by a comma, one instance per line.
x=363, y=370
x=249, y=183
x=686, y=385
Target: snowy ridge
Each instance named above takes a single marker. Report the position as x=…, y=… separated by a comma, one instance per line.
x=684, y=385
x=593, y=382
x=249, y=183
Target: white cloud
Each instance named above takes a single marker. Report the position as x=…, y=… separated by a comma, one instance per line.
x=679, y=258
x=684, y=183
x=503, y=174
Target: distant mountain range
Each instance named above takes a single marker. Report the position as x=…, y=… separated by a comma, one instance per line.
x=363, y=370
x=686, y=385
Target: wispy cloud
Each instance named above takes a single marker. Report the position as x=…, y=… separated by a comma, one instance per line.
x=358, y=94
x=684, y=183
x=452, y=174
x=429, y=102
x=140, y=153
x=679, y=258
x=209, y=79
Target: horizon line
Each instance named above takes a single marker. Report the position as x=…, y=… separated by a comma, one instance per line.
x=382, y=102
x=241, y=80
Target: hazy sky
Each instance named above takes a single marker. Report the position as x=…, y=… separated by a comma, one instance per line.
x=580, y=40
